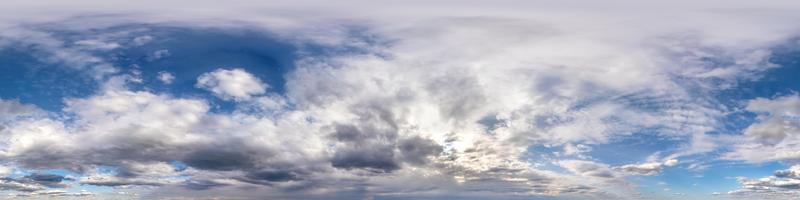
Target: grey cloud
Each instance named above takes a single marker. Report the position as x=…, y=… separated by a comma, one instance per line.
x=588, y=168
x=118, y=181
x=13, y=109
x=774, y=134
x=348, y=133
x=416, y=150
x=458, y=94
x=220, y=159
x=202, y=184
x=378, y=158
x=647, y=169
x=775, y=118
x=793, y=172
x=373, y=144
x=46, y=177
x=130, y=170
x=370, y=142
x=274, y=175
x=10, y=109
x=59, y=193
x=386, y=112
x=11, y=184
x=48, y=180
x=34, y=182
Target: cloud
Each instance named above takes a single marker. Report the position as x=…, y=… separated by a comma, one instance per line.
x=588, y=168
x=166, y=77
x=775, y=133
x=792, y=172
x=11, y=184
x=409, y=105
x=570, y=149
x=56, y=193
x=35, y=182
x=49, y=180
x=783, y=184
x=671, y=162
x=158, y=54
x=97, y=44
x=139, y=133
x=780, y=118
x=234, y=84
x=142, y=40
x=647, y=169
x=118, y=122
x=219, y=159
x=53, y=51
x=11, y=109
x=5, y=171
x=110, y=180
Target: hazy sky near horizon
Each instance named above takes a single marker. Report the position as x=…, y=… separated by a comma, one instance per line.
x=400, y=99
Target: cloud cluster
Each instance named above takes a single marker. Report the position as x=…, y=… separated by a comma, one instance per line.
x=783, y=184
x=445, y=101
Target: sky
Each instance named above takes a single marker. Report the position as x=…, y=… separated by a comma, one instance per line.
x=397, y=100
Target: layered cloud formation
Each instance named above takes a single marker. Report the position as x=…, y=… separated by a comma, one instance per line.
x=359, y=100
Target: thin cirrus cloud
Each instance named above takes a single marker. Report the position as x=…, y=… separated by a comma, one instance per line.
x=359, y=100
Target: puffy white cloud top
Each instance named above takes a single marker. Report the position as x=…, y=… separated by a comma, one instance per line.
x=234, y=84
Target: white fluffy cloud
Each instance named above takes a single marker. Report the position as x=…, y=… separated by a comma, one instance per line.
x=234, y=84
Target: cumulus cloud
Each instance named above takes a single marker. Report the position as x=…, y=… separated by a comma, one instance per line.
x=235, y=84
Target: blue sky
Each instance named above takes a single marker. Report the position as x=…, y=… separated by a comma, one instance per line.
x=359, y=100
